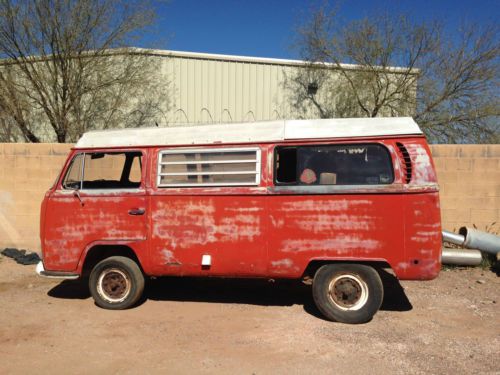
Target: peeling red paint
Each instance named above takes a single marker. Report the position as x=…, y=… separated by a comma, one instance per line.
x=261, y=231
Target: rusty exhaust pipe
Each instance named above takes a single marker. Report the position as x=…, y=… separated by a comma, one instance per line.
x=461, y=257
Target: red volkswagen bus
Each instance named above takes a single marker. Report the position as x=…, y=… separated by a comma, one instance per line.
x=330, y=200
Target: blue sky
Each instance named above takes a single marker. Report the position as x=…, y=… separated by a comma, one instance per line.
x=266, y=28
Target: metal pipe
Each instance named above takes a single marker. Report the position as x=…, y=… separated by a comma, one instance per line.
x=460, y=257
x=453, y=238
x=476, y=239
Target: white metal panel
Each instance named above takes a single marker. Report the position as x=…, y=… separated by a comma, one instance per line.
x=266, y=131
x=350, y=127
x=185, y=135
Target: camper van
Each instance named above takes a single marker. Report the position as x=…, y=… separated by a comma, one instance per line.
x=332, y=201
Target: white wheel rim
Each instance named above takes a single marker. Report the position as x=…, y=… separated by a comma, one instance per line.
x=348, y=292
x=113, y=285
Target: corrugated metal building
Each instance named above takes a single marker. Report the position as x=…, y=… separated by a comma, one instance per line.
x=199, y=88
x=210, y=88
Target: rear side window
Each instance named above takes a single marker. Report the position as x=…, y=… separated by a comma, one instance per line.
x=209, y=167
x=104, y=170
x=361, y=164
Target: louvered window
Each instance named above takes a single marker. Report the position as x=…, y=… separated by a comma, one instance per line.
x=209, y=167
x=405, y=156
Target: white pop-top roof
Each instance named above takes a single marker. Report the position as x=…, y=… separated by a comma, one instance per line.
x=251, y=132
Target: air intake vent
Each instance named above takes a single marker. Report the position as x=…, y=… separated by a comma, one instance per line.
x=405, y=156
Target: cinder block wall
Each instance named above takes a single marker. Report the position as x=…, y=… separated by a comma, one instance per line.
x=469, y=180
x=469, y=177
x=26, y=172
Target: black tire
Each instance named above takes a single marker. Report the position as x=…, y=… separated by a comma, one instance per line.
x=116, y=283
x=348, y=293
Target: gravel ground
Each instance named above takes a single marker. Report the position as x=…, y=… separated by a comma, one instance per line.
x=448, y=325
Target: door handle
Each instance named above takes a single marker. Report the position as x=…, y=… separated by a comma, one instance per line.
x=136, y=211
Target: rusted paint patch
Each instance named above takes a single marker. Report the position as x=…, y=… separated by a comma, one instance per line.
x=340, y=246
x=277, y=223
x=71, y=227
x=286, y=263
x=323, y=205
x=169, y=258
x=184, y=224
x=423, y=172
x=284, y=266
x=324, y=223
x=197, y=223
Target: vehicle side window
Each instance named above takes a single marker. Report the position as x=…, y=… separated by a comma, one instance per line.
x=73, y=177
x=362, y=164
x=209, y=167
x=106, y=170
x=136, y=170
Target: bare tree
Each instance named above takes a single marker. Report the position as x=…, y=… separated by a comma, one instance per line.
x=65, y=68
x=370, y=67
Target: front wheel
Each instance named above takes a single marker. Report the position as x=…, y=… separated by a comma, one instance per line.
x=348, y=293
x=116, y=283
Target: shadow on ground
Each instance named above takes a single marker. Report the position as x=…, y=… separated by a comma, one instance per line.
x=496, y=268
x=237, y=291
x=70, y=289
x=395, y=298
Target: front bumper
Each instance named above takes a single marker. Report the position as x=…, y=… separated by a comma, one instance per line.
x=40, y=270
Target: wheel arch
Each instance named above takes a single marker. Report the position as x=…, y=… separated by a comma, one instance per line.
x=99, y=251
x=315, y=264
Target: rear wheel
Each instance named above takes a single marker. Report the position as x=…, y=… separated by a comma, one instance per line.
x=116, y=283
x=348, y=293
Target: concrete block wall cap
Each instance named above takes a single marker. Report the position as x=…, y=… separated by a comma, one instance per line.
x=466, y=151
x=15, y=148
x=493, y=151
x=443, y=151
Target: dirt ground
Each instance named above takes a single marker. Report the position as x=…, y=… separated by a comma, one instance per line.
x=449, y=325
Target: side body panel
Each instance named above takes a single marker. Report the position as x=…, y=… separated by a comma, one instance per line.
x=258, y=231
x=227, y=223
x=334, y=227
x=272, y=232
x=399, y=223
x=423, y=237
x=74, y=224
x=230, y=229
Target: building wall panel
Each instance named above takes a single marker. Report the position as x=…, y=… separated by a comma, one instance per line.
x=229, y=91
